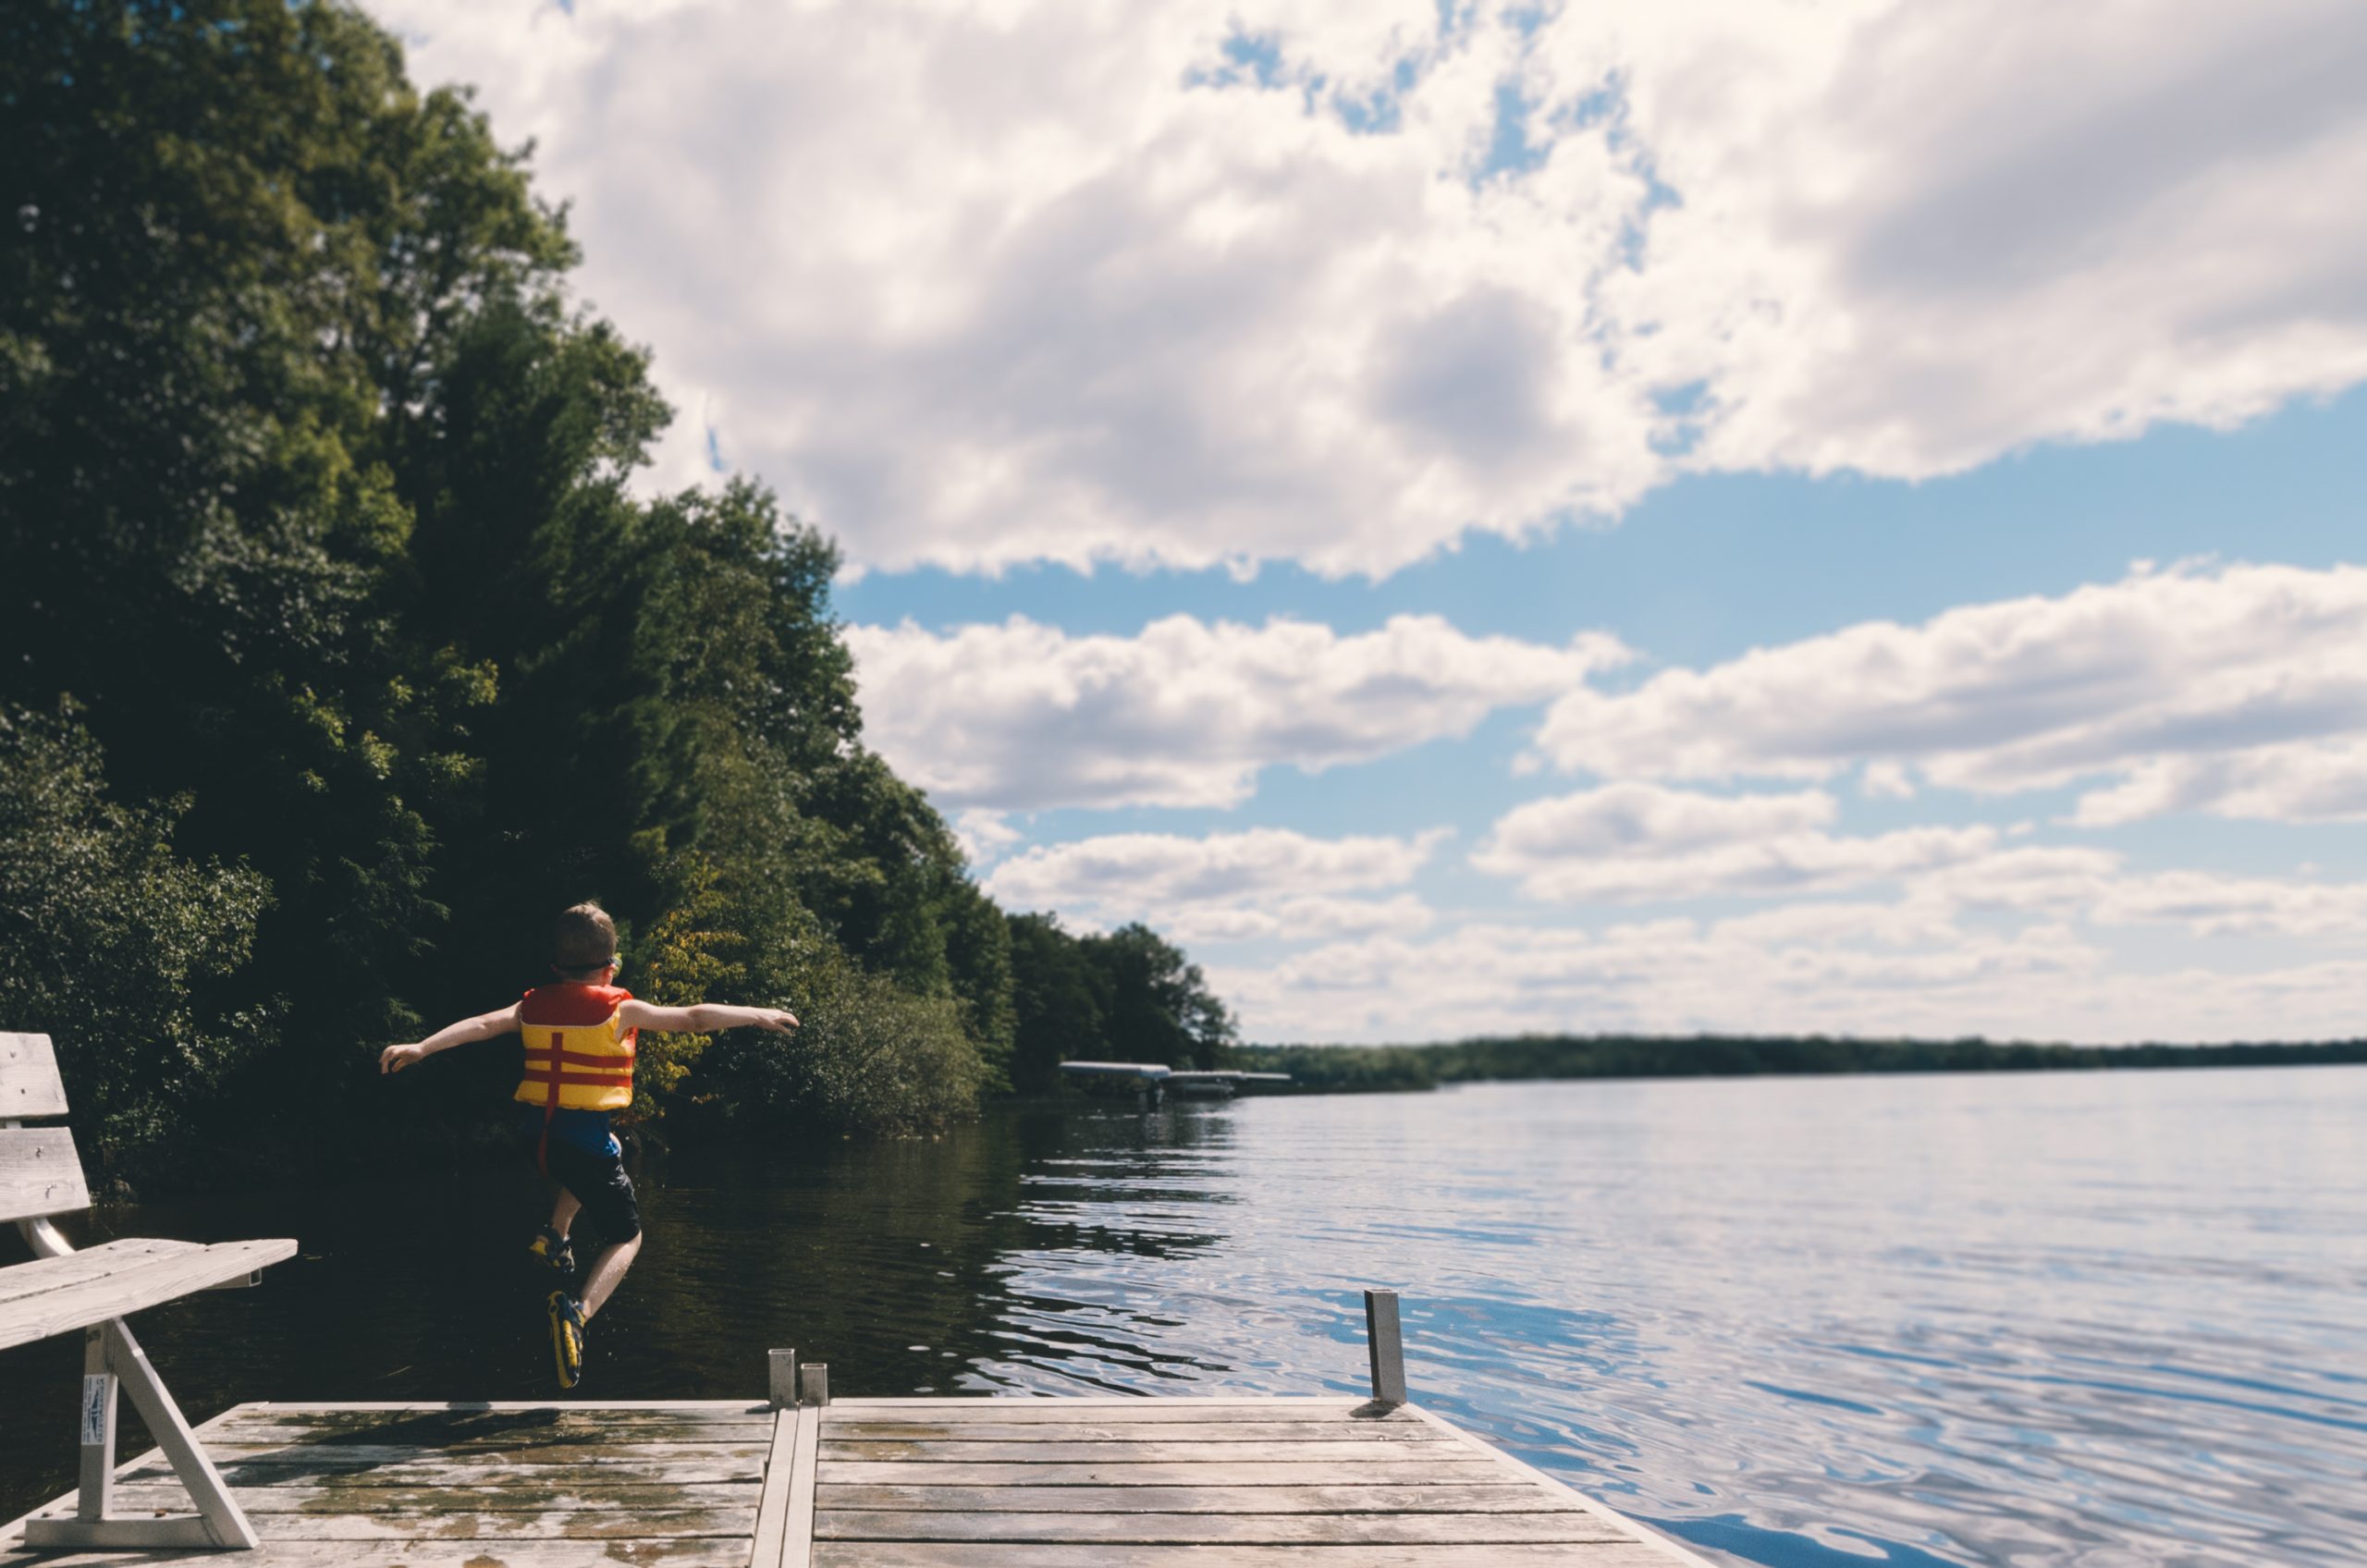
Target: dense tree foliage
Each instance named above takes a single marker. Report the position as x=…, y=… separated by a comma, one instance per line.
x=340, y=652
x=1155, y=1004
x=1127, y=995
x=103, y=922
x=1052, y=995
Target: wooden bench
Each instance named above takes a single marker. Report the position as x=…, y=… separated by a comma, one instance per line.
x=62, y=1289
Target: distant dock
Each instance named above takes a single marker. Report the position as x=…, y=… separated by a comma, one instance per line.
x=1151, y=1081
x=978, y=1482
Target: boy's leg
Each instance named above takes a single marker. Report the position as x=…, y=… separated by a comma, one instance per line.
x=607, y=1272
x=598, y=1186
x=550, y=1243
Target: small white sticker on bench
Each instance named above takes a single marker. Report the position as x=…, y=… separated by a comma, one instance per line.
x=98, y=1389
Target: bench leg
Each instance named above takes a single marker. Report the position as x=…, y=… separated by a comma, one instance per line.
x=95, y=1498
x=111, y=1356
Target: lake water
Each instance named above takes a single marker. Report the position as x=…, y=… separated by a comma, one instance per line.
x=2107, y=1319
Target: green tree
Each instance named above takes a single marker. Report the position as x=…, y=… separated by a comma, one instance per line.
x=216, y=212
x=126, y=952
x=871, y=1054
x=1156, y=1005
x=979, y=959
x=1056, y=1016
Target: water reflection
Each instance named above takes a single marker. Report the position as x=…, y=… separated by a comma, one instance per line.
x=2003, y=1320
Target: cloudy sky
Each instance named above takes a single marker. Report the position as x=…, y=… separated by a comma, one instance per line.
x=1737, y=514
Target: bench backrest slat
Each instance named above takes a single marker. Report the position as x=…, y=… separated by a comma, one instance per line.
x=29, y=1081
x=40, y=1173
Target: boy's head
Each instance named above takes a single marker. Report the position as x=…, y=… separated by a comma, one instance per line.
x=584, y=942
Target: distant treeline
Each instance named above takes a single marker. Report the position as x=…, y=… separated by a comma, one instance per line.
x=1349, y=1069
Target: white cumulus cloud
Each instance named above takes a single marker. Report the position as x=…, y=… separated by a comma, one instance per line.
x=1633, y=840
x=1908, y=236
x=1262, y=884
x=1020, y=716
x=1297, y=920
x=2096, y=886
x=985, y=836
x=1214, y=282
x=1142, y=872
x=2240, y=689
x=2305, y=781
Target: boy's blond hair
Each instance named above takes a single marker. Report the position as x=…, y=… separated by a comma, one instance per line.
x=583, y=937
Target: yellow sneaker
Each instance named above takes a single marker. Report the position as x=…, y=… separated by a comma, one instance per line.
x=552, y=1249
x=567, y=1338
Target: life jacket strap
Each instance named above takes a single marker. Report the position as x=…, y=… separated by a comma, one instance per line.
x=550, y=1113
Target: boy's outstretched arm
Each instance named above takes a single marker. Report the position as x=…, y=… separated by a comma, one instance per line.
x=484, y=1027
x=703, y=1019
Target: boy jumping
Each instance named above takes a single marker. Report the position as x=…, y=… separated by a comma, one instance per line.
x=580, y=1039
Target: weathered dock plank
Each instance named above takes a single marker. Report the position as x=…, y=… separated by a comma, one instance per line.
x=797, y=1551
x=719, y=1409
x=411, y=1464
x=1320, y=1473
x=1115, y=1431
x=297, y=1420
x=771, y=1528
x=983, y=1483
x=1132, y=1409
x=1147, y=1451
x=507, y=1525
x=470, y=1486
x=482, y=1471
x=1037, y=1554
x=245, y=1442
x=527, y=1453
x=579, y=1496
x=1514, y=1469
x=720, y=1552
x=1187, y=1484
x=1259, y=1529
x=1453, y=1497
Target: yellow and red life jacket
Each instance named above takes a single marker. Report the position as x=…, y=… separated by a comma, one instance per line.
x=579, y=1057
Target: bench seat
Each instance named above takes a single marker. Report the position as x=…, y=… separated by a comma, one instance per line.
x=57, y=1295
x=94, y=1290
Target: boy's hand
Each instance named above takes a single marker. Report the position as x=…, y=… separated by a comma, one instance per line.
x=394, y=1059
x=777, y=1020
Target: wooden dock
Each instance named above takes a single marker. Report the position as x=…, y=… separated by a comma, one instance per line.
x=1099, y=1482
